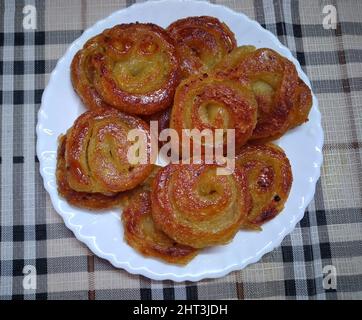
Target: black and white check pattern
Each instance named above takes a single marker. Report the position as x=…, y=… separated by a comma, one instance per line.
x=32, y=233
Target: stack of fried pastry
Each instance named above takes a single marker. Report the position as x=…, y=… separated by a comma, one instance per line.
x=190, y=75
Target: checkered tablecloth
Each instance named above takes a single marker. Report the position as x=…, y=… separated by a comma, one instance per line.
x=330, y=234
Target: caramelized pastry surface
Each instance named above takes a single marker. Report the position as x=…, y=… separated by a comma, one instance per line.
x=209, y=102
x=142, y=234
x=269, y=177
x=284, y=100
x=96, y=152
x=196, y=207
x=132, y=67
x=201, y=43
x=91, y=201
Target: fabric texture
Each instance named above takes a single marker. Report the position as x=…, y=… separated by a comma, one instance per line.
x=330, y=234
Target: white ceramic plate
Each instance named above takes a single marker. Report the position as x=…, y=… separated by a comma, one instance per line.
x=103, y=233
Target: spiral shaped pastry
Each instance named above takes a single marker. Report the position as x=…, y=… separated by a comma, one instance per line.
x=201, y=43
x=91, y=201
x=283, y=99
x=142, y=234
x=96, y=152
x=269, y=178
x=132, y=67
x=196, y=207
x=208, y=102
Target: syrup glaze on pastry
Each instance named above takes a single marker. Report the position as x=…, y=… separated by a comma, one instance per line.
x=132, y=67
x=201, y=43
x=284, y=100
x=301, y=105
x=96, y=152
x=142, y=234
x=269, y=176
x=208, y=102
x=91, y=201
x=82, y=74
x=196, y=207
x=172, y=212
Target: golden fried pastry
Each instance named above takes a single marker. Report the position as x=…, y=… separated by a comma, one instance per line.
x=196, y=207
x=269, y=177
x=301, y=107
x=82, y=74
x=96, y=152
x=201, y=43
x=91, y=201
x=208, y=102
x=283, y=99
x=132, y=67
x=142, y=234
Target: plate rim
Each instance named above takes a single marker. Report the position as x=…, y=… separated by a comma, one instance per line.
x=205, y=274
